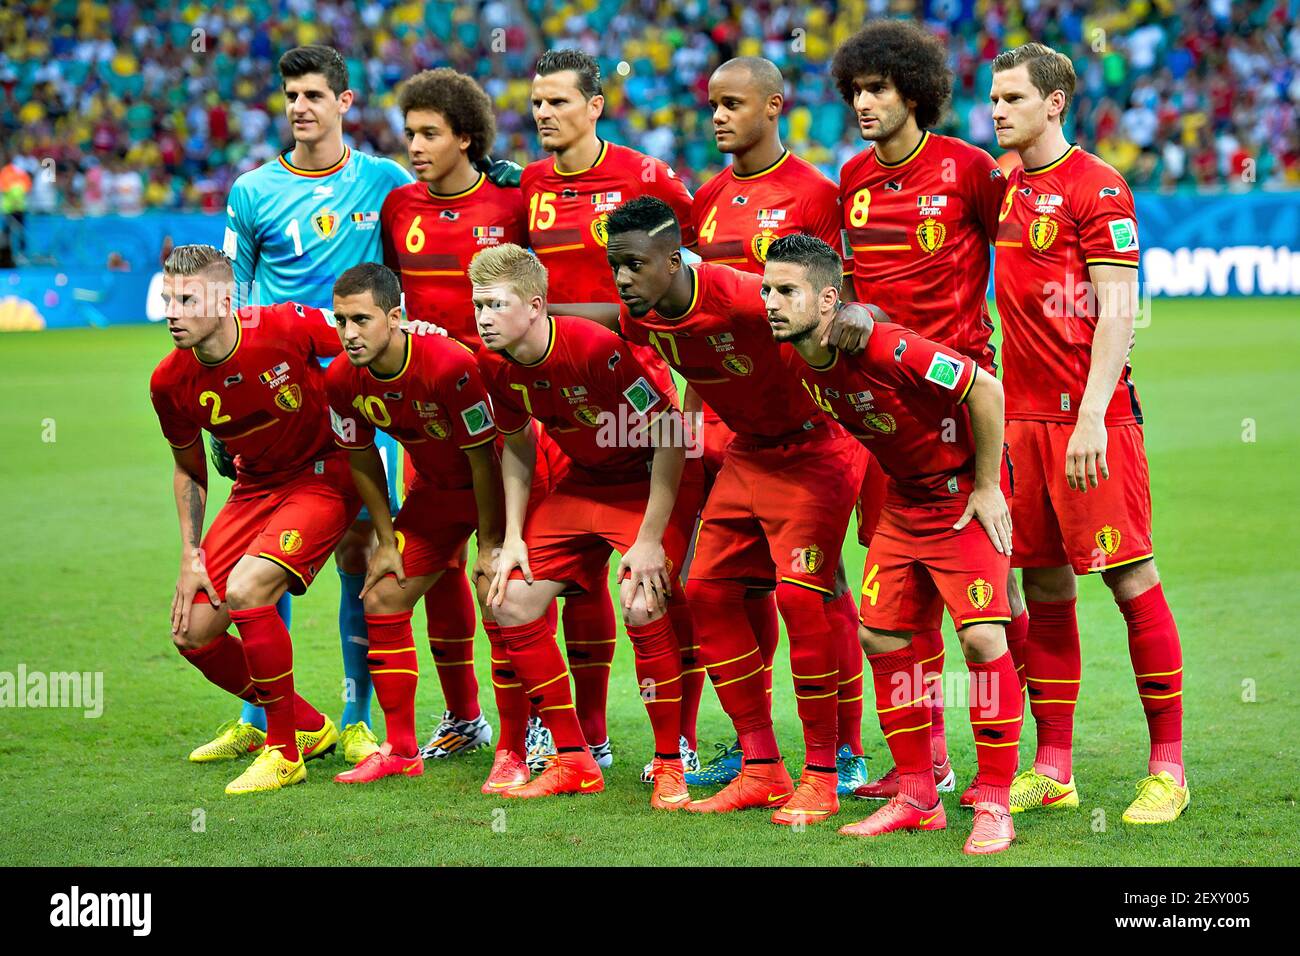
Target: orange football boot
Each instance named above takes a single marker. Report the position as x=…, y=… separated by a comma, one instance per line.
x=992, y=831
x=971, y=794
x=759, y=785
x=814, y=800
x=670, y=785
x=898, y=813
x=573, y=771
x=382, y=764
x=508, y=770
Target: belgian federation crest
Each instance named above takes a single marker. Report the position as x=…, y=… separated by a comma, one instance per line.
x=881, y=422
x=290, y=541
x=437, y=428
x=930, y=234
x=980, y=593
x=738, y=364
x=588, y=414
x=1108, y=539
x=289, y=397
x=1042, y=233
x=760, y=243
x=325, y=222
x=813, y=558
x=600, y=229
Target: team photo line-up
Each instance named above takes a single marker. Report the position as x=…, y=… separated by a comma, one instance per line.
x=515, y=332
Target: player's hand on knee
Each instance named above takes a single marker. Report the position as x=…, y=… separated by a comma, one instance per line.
x=1085, y=455
x=646, y=566
x=193, y=578
x=988, y=506
x=385, y=561
x=514, y=554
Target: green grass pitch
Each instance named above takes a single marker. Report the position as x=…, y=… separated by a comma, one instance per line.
x=90, y=561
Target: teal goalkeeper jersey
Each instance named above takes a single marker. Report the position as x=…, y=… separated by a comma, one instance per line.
x=291, y=232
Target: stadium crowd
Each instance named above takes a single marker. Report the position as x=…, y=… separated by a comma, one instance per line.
x=118, y=107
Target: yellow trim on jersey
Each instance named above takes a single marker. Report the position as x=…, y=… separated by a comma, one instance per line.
x=188, y=444
x=433, y=272
x=695, y=301
x=353, y=447
x=517, y=430
x=903, y=248
x=273, y=558
x=540, y=250
x=925, y=138
x=256, y=428
x=476, y=445
x=406, y=363
x=810, y=587
x=1120, y=564
x=239, y=338
x=316, y=173
x=604, y=150
x=1009, y=244
x=1110, y=262
x=786, y=154
x=443, y=197
x=967, y=622
x=969, y=386
x=1038, y=171
x=550, y=347
x=835, y=357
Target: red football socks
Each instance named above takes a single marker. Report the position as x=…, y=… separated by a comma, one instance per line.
x=1017, y=641
x=930, y=656
x=843, y=615
x=760, y=610
x=659, y=676
x=222, y=662
x=735, y=666
x=395, y=672
x=1158, y=668
x=449, y=609
x=693, y=673
x=269, y=654
x=540, y=666
x=814, y=666
x=590, y=636
x=904, y=712
x=997, y=710
x=512, y=702
x=1053, y=669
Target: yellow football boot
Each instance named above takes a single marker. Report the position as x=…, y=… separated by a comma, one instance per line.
x=270, y=771
x=1031, y=790
x=317, y=743
x=1160, y=800
x=235, y=738
x=358, y=741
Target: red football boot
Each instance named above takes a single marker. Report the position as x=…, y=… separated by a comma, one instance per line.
x=898, y=814
x=670, y=785
x=379, y=765
x=759, y=785
x=886, y=788
x=573, y=771
x=992, y=831
x=814, y=800
x=508, y=770
x=971, y=794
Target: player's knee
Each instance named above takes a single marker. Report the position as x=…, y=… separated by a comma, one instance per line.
x=1128, y=582
x=1050, y=584
x=387, y=597
x=1014, y=597
x=983, y=642
x=638, y=615
x=877, y=642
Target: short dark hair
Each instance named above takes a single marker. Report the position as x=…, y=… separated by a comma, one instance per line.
x=316, y=58
x=824, y=265
x=898, y=50
x=461, y=101
x=647, y=214
x=1048, y=70
x=375, y=278
x=583, y=64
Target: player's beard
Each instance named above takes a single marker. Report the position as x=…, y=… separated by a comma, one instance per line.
x=795, y=338
x=888, y=124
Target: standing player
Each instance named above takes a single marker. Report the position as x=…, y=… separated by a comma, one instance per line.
x=621, y=492
x=900, y=397
x=292, y=226
x=779, y=506
x=1083, y=497
x=569, y=195
x=426, y=392
x=252, y=379
x=431, y=229
x=766, y=192
x=920, y=211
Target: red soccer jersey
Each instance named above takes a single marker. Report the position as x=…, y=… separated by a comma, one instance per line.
x=436, y=407
x=587, y=391
x=429, y=240
x=920, y=230
x=265, y=400
x=901, y=398
x=1057, y=221
x=723, y=347
x=737, y=217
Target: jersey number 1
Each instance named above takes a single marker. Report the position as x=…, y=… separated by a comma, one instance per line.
x=292, y=232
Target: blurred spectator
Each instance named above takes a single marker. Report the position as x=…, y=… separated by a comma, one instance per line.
x=143, y=105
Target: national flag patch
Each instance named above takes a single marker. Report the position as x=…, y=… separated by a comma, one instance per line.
x=722, y=338
x=271, y=374
x=932, y=200
x=600, y=199
x=492, y=232
x=944, y=371
x=641, y=396
x=1048, y=199
x=477, y=418
x=365, y=217
x=777, y=214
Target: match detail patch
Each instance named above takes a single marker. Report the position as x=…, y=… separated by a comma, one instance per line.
x=1123, y=234
x=641, y=396
x=944, y=371
x=477, y=418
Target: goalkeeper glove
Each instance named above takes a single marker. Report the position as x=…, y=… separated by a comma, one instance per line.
x=222, y=459
x=500, y=172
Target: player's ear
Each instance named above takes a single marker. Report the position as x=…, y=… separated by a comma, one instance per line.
x=345, y=100
x=596, y=105
x=394, y=317
x=775, y=104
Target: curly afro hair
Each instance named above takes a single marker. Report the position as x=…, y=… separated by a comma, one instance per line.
x=900, y=51
x=461, y=101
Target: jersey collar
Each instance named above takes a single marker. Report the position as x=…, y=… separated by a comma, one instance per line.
x=785, y=154
x=600, y=158
x=315, y=173
x=1039, y=170
x=406, y=363
x=550, y=347
x=239, y=337
x=443, y=197
x=916, y=151
x=695, y=299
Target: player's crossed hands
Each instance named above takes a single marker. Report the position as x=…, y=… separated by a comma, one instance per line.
x=646, y=567
x=513, y=554
x=1085, y=455
x=989, y=508
x=386, y=560
x=192, y=579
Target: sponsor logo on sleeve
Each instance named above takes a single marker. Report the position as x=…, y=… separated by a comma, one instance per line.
x=477, y=418
x=1123, y=234
x=641, y=396
x=944, y=371
x=1107, y=191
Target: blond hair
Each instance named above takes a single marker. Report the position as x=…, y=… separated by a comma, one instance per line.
x=1048, y=70
x=510, y=265
x=194, y=259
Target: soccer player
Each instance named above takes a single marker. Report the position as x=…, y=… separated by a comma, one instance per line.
x=621, y=492
x=292, y=226
x=426, y=392
x=779, y=506
x=1066, y=284
x=766, y=192
x=569, y=195
x=251, y=378
x=920, y=211
x=933, y=421
x=431, y=229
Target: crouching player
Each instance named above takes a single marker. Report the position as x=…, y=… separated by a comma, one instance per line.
x=252, y=379
x=902, y=398
x=595, y=399
x=424, y=391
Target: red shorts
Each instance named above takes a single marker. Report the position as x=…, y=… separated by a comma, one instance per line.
x=1102, y=528
x=296, y=525
x=571, y=532
x=780, y=513
x=551, y=462
x=717, y=439
x=917, y=564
